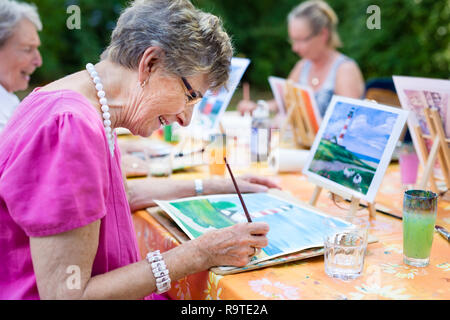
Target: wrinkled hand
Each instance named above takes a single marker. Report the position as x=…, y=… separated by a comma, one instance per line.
x=232, y=246
x=248, y=183
x=255, y=183
x=245, y=106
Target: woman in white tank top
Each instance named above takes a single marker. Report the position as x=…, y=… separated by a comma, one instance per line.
x=312, y=28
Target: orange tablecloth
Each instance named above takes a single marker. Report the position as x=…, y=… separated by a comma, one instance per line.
x=384, y=277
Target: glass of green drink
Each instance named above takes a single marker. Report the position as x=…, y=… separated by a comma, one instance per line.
x=419, y=218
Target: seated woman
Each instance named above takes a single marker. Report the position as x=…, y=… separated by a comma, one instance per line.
x=65, y=219
x=312, y=28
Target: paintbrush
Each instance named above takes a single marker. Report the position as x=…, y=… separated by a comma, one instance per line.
x=442, y=232
x=249, y=219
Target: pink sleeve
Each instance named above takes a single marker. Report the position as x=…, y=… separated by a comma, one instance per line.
x=58, y=180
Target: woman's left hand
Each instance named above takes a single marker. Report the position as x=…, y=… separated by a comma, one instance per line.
x=247, y=183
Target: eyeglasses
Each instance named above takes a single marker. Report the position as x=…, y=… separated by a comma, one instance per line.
x=292, y=41
x=193, y=96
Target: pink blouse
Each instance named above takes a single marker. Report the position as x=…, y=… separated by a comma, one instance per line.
x=56, y=175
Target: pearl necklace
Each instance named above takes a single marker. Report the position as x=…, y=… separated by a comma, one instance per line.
x=105, y=108
x=315, y=81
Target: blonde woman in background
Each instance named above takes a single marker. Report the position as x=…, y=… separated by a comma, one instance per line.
x=312, y=28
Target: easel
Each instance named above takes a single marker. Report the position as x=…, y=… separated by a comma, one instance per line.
x=354, y=202
x=297, y=117
x=439, y=150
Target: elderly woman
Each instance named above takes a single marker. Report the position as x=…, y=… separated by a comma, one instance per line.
x=19, y=55
x=65, y=221
x=312, y=28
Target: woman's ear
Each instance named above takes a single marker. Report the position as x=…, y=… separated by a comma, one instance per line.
x=325, y=35
x=150, y=58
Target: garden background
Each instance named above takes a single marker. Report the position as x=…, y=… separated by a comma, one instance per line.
x=414, y=38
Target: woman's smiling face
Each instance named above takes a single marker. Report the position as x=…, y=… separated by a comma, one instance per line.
x=162, y=101
x=19, y=57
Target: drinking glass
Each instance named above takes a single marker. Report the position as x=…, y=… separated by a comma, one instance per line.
x=160, y=162
x=419, y=218
x=344, y=251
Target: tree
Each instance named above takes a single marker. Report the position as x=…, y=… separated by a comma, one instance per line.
x=414, y=38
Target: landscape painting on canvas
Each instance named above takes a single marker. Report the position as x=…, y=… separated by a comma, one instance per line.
x=293, y=227
x=354, y=146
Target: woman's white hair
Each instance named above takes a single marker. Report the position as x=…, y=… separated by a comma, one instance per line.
x=11, y=13
x=193, y=41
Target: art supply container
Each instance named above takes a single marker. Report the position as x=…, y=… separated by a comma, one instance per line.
x=419, y=218
x=344, y=251
x=217, y=150
x=260, y=133
x=409, y=165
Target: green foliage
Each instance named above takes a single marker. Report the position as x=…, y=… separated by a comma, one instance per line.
x=414, y=38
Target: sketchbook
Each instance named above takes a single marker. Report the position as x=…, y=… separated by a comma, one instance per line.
x=296, y=229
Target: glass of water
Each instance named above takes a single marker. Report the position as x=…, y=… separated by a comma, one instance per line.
x=344, y=252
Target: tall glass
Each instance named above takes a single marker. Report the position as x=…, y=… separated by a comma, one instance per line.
x=409, y=164
x=419, y=218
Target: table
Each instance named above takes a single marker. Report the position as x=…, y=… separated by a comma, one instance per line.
x=384, y=277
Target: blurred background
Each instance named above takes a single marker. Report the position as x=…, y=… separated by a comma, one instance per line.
x=414, y=38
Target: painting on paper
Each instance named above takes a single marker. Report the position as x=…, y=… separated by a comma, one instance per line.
x=292, y=227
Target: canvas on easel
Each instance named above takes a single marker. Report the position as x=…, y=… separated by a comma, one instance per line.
x=302, y=115
x=353, y=149
x=440, y=150
x=429, y=126
x=206, y=118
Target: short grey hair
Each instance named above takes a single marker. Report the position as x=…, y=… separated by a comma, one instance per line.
x=194, y=42
x=11, y=13
x=320, y=15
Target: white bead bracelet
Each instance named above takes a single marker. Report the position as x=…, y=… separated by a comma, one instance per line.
x=160, y=272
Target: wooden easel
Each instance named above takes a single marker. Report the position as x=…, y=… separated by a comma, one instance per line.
x=354, y=204
x=439, y=151
x=297, y=117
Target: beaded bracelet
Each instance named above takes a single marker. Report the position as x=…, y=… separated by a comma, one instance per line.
x=160, y=271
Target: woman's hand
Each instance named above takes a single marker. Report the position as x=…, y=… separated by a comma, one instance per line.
x=248, y=183
x=232, y=246
x=254, y=181
x=246, y=106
